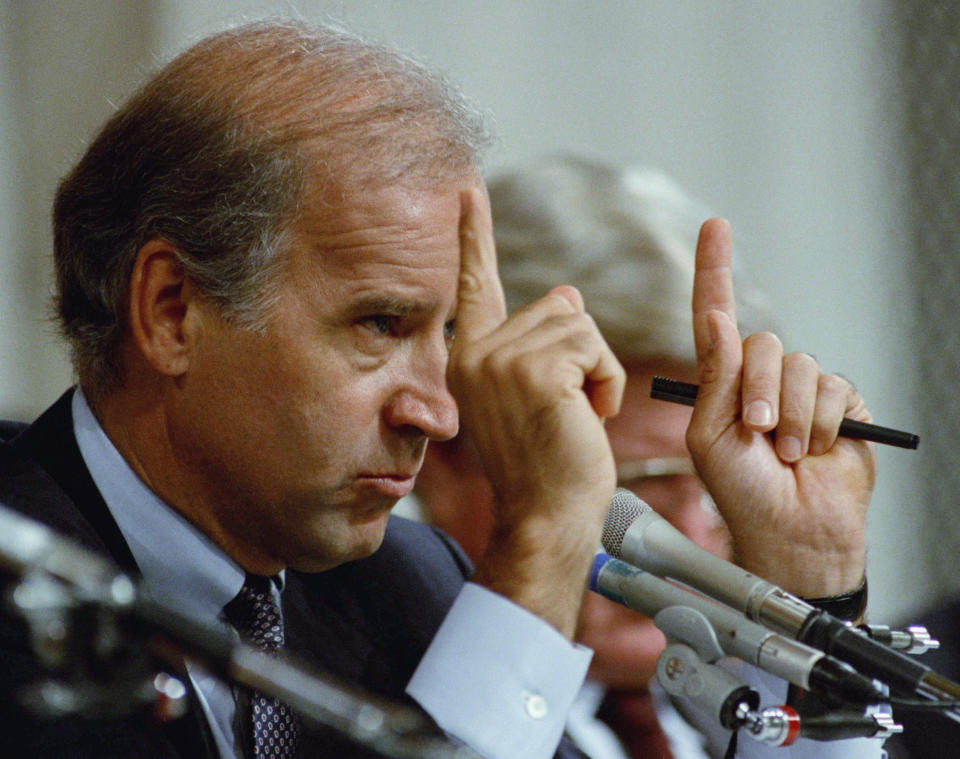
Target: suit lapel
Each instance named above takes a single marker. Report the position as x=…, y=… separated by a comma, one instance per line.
x=50, y=442
x=42, y=474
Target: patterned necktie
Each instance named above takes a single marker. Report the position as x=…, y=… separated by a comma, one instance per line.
x=257, y=617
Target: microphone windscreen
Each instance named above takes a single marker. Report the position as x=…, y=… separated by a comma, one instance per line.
x=625, y=507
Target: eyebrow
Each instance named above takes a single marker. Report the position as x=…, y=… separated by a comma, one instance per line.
x=387, y=304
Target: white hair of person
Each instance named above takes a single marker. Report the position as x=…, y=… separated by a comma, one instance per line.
x=625, y=238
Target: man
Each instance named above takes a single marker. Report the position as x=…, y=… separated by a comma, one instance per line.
x=626, y=238
x=259, y=263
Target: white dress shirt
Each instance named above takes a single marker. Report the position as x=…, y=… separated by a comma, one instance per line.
x=696, y=735
x=181, y=567
x=495, y=677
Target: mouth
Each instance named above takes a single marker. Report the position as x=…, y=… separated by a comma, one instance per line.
x=394, y=486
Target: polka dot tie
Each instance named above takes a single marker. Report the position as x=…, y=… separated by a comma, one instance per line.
x=257, y=617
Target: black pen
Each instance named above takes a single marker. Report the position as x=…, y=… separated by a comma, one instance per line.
x=666, y=389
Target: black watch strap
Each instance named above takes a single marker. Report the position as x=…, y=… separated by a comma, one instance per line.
x=847, y=606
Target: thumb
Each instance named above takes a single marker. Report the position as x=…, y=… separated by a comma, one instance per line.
x=719, y=374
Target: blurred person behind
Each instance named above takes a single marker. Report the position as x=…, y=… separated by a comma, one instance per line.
x=262, y=356
x=626, y=239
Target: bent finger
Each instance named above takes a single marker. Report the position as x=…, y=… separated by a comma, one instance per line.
x=798, y=396
x=762, y=371
x=605, y=381
x=833, y=397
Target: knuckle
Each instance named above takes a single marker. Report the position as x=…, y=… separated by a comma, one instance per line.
x=801, y=362
x=697, y=439
x=465, y=363
x=831, y=383
x=469, y=283
x=494, y=364
x=709, y=373
x=550, y=305
x=792, y=413
x=763, y=381
x=619, y=371
x=764, y=340
x=525, y=369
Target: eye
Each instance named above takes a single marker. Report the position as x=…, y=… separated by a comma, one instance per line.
x=450, y=330
x=380, y=324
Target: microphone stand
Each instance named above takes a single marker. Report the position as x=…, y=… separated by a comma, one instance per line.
x=700, y=631
x=99, y=640
x=635, y=532
x=686, y=669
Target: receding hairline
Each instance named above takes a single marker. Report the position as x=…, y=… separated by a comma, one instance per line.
x=354, y=107
x=220, y=151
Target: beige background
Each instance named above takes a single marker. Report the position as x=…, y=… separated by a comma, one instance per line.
x=785, y=117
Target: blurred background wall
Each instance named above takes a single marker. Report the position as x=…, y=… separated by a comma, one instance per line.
x=790, y=119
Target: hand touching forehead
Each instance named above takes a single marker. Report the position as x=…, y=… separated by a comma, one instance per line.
x=481, y=306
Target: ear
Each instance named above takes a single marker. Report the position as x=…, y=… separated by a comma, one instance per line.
x=160, y=296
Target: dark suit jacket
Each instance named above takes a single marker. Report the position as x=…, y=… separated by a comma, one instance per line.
x=368, y=621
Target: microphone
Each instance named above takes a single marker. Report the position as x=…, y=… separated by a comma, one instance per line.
x=676, y=608
x=634, y=532
x=89, y=623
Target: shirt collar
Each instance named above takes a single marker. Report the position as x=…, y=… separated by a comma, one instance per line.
x=182, y=568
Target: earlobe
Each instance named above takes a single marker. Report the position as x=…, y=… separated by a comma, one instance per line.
x=159, y=300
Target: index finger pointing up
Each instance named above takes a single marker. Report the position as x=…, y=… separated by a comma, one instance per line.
x=481, y=306
x=712, y=280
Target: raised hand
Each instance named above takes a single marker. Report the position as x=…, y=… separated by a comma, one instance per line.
x=533, y=390
x=764, y=440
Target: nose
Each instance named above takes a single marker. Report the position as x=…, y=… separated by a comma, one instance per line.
x=422, y=401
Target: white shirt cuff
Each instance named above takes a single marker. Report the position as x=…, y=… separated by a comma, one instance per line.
x=499, y=678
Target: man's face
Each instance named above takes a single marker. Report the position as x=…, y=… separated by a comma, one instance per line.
x=648, y=439
x=648, y=442
x=302, y=437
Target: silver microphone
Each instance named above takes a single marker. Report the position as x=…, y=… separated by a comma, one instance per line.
x=634, y=532
x=733, y=634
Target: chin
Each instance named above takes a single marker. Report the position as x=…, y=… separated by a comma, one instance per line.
x=355, y=542
x=369, y=544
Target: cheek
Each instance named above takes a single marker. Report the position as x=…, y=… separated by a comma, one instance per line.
x=324, y=423
x=290, y=405
x=254, y=396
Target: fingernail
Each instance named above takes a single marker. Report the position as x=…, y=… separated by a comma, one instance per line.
x=758, y=414
x=789, y=448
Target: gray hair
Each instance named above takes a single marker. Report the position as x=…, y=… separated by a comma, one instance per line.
x=624, y=237
x=218, y=154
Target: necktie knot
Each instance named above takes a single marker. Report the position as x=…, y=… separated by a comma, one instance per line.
x=256, y=615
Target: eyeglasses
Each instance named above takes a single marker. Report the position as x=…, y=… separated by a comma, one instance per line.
x=661, y=480
x=632, y=469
